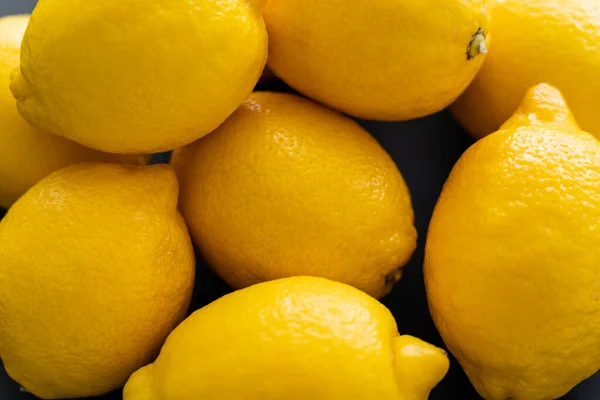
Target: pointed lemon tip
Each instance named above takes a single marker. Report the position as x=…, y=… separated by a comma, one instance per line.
x=163, y=183
x=19, y=86
x=543, y=104
x=544, y=97
x=419, y=366
x=139, y=385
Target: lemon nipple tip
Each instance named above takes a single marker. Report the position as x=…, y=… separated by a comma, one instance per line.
x=19, y=86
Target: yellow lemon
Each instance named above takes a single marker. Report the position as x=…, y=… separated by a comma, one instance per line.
x=127, y=76
x=296, y=339
x=26, y=154
x=511, y=264
x=535, y=41
x=96, y=269
x=378, y=59
x=287, y=187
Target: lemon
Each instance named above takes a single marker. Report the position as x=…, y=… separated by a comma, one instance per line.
x=287, y=187
x=378, y=59
x=126, y=76
x=96, y=269
x=296, y=338
x=535, y=41
x=512, y=253
x=26, y=154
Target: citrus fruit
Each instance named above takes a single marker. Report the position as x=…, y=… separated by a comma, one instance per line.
x=288, y=187
x=96, y=269
x=538, y=41
x=294, y=338
x=379, y=59
x=511, y=265
x=27, y=154
x=126, y=76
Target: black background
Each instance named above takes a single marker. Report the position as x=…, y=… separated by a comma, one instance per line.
x=425, y=151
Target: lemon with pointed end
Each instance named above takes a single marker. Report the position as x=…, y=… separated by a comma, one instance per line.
x=511, y=264
x=27, y=154
x=287, y=187
x=126, y=76
x=552, y=41
x=378, y=59
x=296, y=338
x=96, y=269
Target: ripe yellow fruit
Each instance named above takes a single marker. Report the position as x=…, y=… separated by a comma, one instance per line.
x=295, y=339
x=288, y=187
x=535, y=41
x=96, y=269
x=512, y=253
x=26, y=154
x=127, y=76
x=378, y=59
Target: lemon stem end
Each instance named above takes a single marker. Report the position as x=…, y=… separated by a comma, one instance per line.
x=19, y=86
x=542, y=104
x=477, y=46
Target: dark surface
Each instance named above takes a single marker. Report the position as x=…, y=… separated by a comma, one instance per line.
x=425, y=151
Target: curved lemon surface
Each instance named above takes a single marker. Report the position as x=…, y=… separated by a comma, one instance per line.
x=511, y=264
x=96, y=269
x=27, y=154
x=294, y=338
x=378, y=59
x=287, y=187
x=127, y=76
x=551, y=41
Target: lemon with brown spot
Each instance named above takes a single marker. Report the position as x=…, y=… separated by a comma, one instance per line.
x=535, y=41
x=378, y=59
x=287, y=187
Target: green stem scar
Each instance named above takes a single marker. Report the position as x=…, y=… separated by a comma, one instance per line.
x=477, y=45
x=394, y=277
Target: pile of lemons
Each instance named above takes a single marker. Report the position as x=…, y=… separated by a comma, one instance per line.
x=291, y=201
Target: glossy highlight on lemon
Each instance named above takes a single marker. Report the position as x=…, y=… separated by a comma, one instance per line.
x=126, y=76
x=288, y=187
x=96, y=269
x=379, y=59
x=552, y=41
x=296, y=338
x=511, y=263
x=27, y=154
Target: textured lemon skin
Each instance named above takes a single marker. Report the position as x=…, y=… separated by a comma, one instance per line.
x=287, y=187
x=551, y=41
x=96, y=269
x=26, y=154
x=380, y=59
x=126, y=76
x=294, y=338
x=511, y=264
